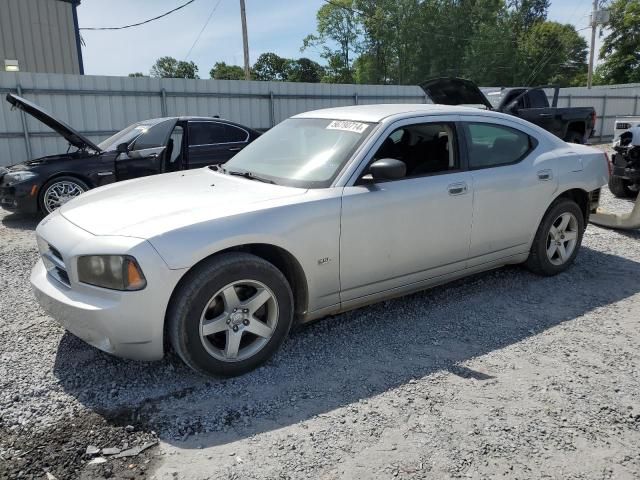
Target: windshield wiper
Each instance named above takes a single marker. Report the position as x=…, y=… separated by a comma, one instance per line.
x=249, y=175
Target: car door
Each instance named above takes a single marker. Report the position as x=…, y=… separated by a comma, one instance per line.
x=396, y=233
x=213, y=142
x=537, y=110
x=513, y=183
x=146, y=155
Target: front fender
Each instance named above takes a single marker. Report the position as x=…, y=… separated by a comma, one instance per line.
x=309, y=231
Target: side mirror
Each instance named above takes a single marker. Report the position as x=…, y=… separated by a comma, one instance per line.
x=387, y=169
x=122, y=148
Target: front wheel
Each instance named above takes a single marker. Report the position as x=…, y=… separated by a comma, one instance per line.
x=620, y=187
x=59, y=191
x=230, y=314
x=558, y=238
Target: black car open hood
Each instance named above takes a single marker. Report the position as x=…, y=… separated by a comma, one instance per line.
x=70, y=135
x=454, y=91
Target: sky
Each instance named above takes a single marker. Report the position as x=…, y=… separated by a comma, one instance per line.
x=274, y=26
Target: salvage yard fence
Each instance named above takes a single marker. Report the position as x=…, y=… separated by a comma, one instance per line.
x=99, y=106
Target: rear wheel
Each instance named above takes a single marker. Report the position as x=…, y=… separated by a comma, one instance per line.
x=620, y=187
x=230, y=314
x=59, y=191
x=558, y=238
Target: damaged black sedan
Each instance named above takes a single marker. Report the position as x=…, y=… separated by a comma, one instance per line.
x=145, y=148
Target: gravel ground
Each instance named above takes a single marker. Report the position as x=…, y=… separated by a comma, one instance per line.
x=505, y=374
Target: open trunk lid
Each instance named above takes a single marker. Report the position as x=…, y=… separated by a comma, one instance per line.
x=70, y=135
x=454, y=91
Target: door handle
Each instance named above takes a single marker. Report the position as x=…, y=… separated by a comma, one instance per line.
x=545, y=115
x=235, y=149
x=152, y=155
x=457, y=189
x=545, y=175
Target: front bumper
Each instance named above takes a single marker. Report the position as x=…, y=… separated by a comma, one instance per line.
x=125, y=324
x=20, y=197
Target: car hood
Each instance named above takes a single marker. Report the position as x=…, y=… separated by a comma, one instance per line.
x=70, y=135
x=151, y=206
x=454, y=91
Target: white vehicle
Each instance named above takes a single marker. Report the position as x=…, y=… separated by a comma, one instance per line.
x=624, y=124
x=328, y=211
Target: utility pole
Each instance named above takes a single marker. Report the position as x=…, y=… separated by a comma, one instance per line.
x=245, y=41
x=594, y=27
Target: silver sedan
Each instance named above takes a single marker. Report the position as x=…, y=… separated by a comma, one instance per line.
x=328, y=211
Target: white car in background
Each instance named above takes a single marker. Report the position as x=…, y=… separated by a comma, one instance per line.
x=328, y=211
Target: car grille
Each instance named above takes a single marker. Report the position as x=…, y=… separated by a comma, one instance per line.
x=622, y=126
x=55, y=265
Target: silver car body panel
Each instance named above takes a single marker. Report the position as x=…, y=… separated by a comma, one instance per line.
x=356, y=244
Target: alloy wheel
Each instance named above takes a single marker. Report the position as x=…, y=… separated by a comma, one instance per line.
x=239, y=320
x=562, y=238
x=59, y=193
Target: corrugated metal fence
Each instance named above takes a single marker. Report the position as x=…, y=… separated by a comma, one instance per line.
x=100, y=106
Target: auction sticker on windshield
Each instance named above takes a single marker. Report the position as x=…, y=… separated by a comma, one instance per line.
x=347, y=126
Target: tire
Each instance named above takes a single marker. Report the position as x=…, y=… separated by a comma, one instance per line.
x=205, y=299
x=540, y=261
x=73, y=185
x=574, y=137
x=620, y=187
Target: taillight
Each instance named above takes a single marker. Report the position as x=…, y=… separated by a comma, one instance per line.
x=609, y=164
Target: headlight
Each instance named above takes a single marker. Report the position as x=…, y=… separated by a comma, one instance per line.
x=19, y=176
x=117, y=272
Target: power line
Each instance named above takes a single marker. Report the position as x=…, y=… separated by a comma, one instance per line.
x=202, y=30
x=140, y=23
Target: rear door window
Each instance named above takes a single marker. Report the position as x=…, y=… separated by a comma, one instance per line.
x=537, y=99
x=212, y=133
x=491, y=145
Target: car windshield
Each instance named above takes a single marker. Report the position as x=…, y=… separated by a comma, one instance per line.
x=301, y=152
x=127, y=135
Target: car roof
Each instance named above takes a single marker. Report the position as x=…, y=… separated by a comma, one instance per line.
x=377, y=113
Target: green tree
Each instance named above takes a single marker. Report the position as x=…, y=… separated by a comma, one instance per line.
x=270, y=66
x=305, y=70
x=222, y=71
x=337, y=24
x=137, y=74
x=169, y=67
x=553, y=53
x=621, y=48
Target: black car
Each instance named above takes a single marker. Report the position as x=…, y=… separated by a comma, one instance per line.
x=572, y=124
x=145, y=148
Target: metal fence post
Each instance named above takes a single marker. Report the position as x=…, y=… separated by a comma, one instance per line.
x=163, y=102
x=604, y=116
x=355, y=98
x=569, y=101
x=635, y=106
x=25, y=130
x=272, y=112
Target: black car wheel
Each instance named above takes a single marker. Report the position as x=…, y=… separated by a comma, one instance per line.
x=620, y=187
x=58, y=191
